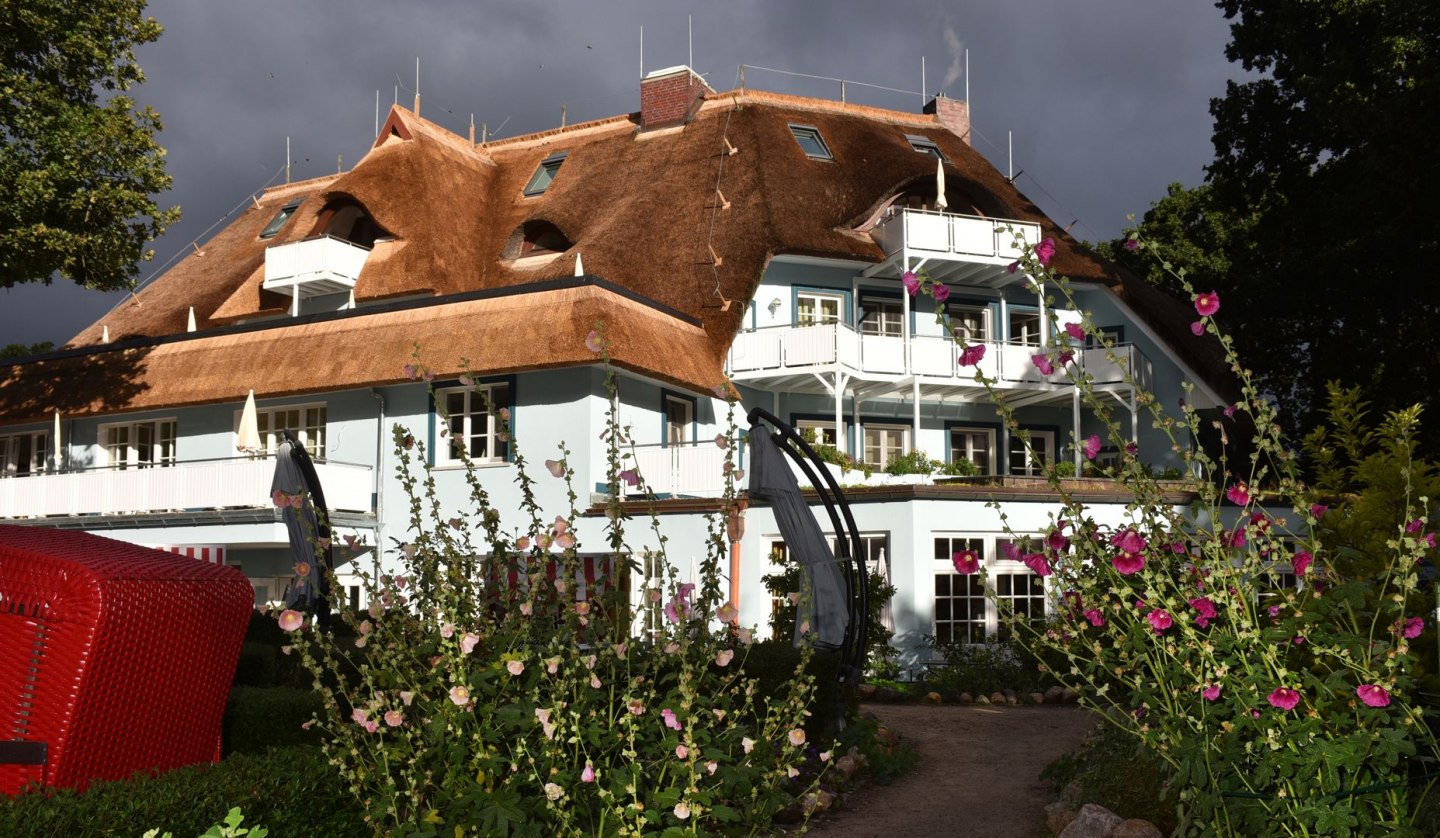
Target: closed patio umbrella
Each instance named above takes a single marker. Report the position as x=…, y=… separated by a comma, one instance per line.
x=308, y=527
x=56, y=450
x=247, y=436
x=940, y=202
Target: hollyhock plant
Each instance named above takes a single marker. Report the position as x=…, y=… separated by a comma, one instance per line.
x=1127, y=564
x=1284, y=698
x=972, y=354
x=1211, y=692
x=965, y=561
x=1301, y=561
x=1096, y=618
x=291, y=620
x=1238, y=494
x=911, y=283
x=1373, y=695
x=1075, y=330
x=1204, y=611
x=1042, y=363
x=1092, y=446
x=1207, y=304
x=941, y=292
x=1037, y=563
x=1160, y=620
x=1045, y=251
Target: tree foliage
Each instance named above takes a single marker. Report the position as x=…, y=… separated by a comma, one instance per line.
x=78, y=160
x=1319, y=218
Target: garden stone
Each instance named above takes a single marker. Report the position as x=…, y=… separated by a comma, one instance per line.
x=1069, y=696
x=1091, y=821
x=1053, y=695
x=1137, y=828
x=980, y=699
x=887, y=694
x=1058, y=815
x=997, y=698
x=1037, y=698
x=967, y=698
x=1011, y=697
x=931, y=698
x=866, y=691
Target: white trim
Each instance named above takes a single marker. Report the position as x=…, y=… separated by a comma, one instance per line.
x=473, y=406
x=132, y=457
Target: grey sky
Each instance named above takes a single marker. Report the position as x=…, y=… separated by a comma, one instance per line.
x=1107, y=99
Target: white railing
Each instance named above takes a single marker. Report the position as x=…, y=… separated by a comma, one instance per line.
x=951, y=235
x=786, y=349
x=328, y=264
x=696, y=469
x=198, y=485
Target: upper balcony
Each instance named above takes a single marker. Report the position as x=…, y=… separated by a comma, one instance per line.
x=199, y=485
x=787, y=357
x=956, y=248
x=313, y=267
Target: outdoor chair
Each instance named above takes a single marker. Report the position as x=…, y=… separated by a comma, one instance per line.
x=114, y=658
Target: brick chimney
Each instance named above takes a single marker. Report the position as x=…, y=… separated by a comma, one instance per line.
x=953, y=114
x=670, y=96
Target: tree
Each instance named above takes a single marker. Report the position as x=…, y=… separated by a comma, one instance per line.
x=78, y=161
x=1321, y=199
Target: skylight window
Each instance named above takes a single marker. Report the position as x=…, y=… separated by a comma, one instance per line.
x=925, y=145
x=545, y=174
x=279, y=220
x=808, y=136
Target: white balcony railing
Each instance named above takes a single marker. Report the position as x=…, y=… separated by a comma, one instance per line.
x=313, y=267
x=198, y=485
x=950, y=235
x=696, y=469
x=797, y=349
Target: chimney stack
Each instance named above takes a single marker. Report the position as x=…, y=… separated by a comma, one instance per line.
x=953, y=114
x=670, y=96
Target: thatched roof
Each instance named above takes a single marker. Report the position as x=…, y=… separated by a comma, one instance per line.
x=639, y=206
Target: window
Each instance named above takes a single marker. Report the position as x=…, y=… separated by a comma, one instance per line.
x=1113, y=334
x=138, y=444
x=881, y=317
x=818, y=309
x=824, y=432
x=884, y=443
x=679, y=418
x=925, y=145
x=545, y=174
x=1020, y=593
x=1023, y=461
x=24, y=454
x=345, y=218
x=279, y=220
x=874, y=548
x=1025, y=327
x=974, y=444
x=808, y=136
x=970, y=323
x=474, y=426
x=307, y=422
x=961, y=610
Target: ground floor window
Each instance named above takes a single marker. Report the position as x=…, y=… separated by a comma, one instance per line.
x=875, y=550
x=962, y=611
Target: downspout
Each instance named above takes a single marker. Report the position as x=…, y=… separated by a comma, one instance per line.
x=737, y=534
x=379, y=476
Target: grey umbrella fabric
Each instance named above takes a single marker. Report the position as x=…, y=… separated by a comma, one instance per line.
x=826, y=609
x=292, y=480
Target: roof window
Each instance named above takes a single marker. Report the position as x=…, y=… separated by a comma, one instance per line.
x=545, y=174
x=925, y=145
x=279, y=220
x=808, y=136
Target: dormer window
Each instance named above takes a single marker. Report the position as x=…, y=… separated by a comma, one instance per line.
x=279, y=220
x=925, y=145
x=808, y=136
x=545, y=174
x=535, y=238
x=344, y=218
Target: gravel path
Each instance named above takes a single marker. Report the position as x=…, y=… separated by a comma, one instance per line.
x=978, y=774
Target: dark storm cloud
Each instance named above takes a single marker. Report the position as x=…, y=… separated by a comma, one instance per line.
x=1107, y=99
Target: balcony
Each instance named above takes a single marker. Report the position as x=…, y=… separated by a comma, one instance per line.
x=957, y=248
x=313, y=268
x=786, y=356
x=185, y=486
x=697, y=469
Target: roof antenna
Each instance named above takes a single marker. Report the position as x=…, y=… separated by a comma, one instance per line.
x=377, y=111
x=642, y=50
x=922, y=81
x=690, y=40
x=287, y=159
x=1010, y=151
x=969, y=111
x=417, y=85
x=472, y=129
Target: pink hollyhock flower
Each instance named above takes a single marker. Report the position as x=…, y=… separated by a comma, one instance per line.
x=1012, y=266
x=565, y=540
x=557, y=468
x=588, y=775
x=1429, y=540
x=682, y=810
x=1045, y=251
x=724, y=657
x=1205, y=611
x=1414, y=526
x=1197, y=328
x=1160, y=620
x=1011, y=551
x=1092, y=447
x=1037, y=564
x=1075, y=330
x=942, y=292
x=796, y=736
x=1132, y=245
x=1239, y=494
x=291, y=620
x=1300, y=562
x=681, y=752
x=1373, y=695
x=468, y=642
x=394, y=718
x=1072, y=600
x=722, y=442
x=526, y=609
x=747, y=744
x=670, y=721
x=1283, y=698
x=1319, y=509
x=1234, y=539
x=515, y=667
x=279, y=499
x=1229, y=410
x=302, y=568
x=1042, y=363
x=971, y=355
x=1095, y=617
x=406, y=696
x=1211, y=692
x=554, y=791
x=710, y=767
x=726, y=613
x=593, y=341
x=911, y=283
x=359, y=716
x=1207, y=304
x=636, y=707
x=459, y=696
x=1056, y=541
x=447, y=631
x=965, y=561
x=631, y=477
x=1129, y=541
x=1065, y=357
x=1413, y=627
x=1128, y=563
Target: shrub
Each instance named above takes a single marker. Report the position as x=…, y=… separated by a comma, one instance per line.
x=961, y=468
x=258, y=718
x=259, y=665
x=985, y=668
x=914, y=462
x=290, y=791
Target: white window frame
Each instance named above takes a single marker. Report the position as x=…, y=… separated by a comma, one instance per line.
x=882, y=460
x=817, y=299
x=996, y=566
x=474, y=406
x=824, y=429
x=37, y=461
x=1025, y=337
x=1031, y=467
x=876, y=545
x=158, y=455
x=885, y=319
x=970, y=433
x=684, y=430
x=963, y=330
x=313, y=435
